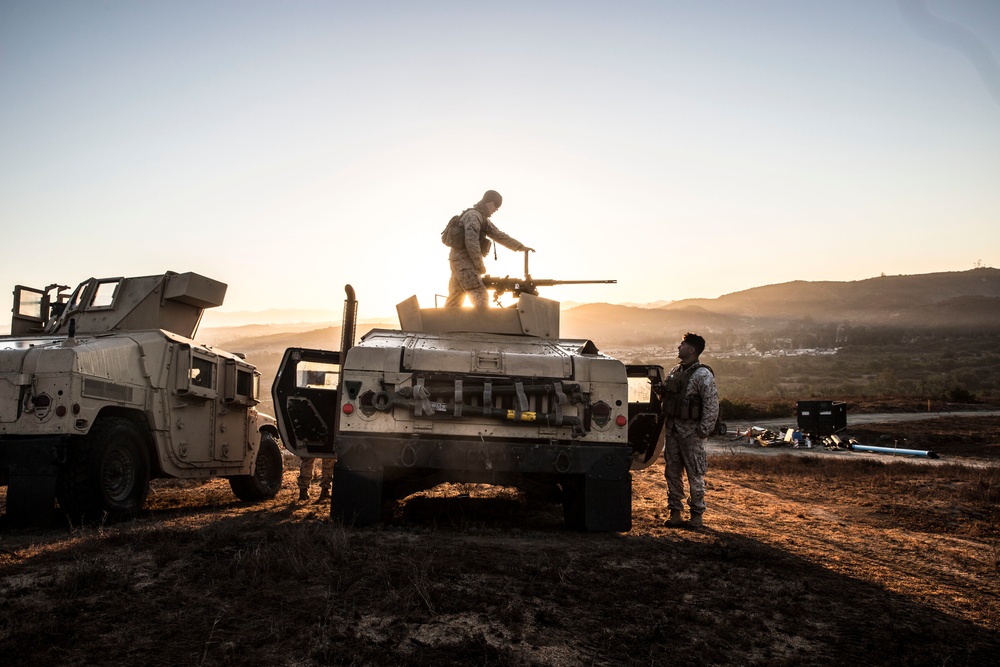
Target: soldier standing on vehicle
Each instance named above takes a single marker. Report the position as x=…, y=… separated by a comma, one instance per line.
x=691, y=407
x=469, y=240
x=306, y=476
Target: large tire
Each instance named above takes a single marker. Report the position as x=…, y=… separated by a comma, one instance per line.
x=106, y=474
x=265, y=482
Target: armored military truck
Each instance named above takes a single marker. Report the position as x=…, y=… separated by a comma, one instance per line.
x=458, y=395
x=102, y=388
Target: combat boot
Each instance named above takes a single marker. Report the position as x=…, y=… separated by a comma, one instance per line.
x=695, y=521
x=324, y=494
x=674, y=520
x=303, y=494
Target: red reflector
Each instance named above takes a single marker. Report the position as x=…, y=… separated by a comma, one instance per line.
x=348, y=408
x=620, y=420
x=61, y=411
x=76, y=408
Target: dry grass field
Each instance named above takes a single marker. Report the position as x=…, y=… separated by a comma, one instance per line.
x=807, y=560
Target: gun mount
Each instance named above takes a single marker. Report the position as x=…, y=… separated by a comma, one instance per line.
x=529, y=285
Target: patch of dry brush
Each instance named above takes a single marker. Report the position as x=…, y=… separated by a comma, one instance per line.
x=806, y=562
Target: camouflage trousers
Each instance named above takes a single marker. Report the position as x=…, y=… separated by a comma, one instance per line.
x=685, y=453
x=306, y=473
x=465, y=280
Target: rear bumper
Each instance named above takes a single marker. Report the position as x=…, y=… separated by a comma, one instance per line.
x=485, y=458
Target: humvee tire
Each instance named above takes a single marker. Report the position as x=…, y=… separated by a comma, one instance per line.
x=107, y=474
x=265, y=482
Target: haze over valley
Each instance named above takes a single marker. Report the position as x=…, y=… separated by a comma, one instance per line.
x=927, y=335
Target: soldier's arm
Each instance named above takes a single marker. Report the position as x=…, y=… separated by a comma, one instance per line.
x=709, y=402
x=503, y=238
x=472, y=221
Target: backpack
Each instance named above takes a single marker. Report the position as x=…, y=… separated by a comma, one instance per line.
x=453, y=235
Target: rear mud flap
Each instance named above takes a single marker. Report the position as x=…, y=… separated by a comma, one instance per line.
x=31, y=488
x=356, y=496
x=597, y=505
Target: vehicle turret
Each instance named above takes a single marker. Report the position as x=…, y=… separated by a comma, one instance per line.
x=170, y=301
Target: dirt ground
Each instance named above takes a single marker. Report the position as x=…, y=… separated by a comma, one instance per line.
x=815, y=559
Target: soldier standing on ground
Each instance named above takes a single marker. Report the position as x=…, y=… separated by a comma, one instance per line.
x=468, y=248
x=691, y=407
x=306, y=476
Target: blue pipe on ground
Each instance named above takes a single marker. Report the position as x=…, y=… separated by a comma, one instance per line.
x=857, y=447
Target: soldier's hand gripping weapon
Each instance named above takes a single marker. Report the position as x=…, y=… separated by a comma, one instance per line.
x=529, y=285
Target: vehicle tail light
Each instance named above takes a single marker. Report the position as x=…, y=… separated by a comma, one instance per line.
x=600, y=413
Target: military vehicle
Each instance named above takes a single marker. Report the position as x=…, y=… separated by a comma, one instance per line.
x=103, y=388
x=460, y=395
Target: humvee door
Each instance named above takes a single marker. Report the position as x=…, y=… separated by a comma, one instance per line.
x=645, y=420
x=305, y=393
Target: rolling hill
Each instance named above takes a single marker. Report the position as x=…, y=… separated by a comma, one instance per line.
x=937, y=296
x=968, y=300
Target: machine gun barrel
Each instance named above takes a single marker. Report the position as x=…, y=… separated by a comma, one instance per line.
x=529, y=285
x=517, y=286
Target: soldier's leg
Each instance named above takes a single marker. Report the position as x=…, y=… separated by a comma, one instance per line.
x=305, y=476
x=672, y=471
x=473, y=285
x=695, y=465
x=305, y=472
x=326, y=475
x=480, y=297
x=456, y=293
x=325, y=480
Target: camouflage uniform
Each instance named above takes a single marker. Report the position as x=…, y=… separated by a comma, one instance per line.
x=306, y=473
x=467, y=266
x=685, y=443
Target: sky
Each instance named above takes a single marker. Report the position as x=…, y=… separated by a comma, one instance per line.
x=685, y=149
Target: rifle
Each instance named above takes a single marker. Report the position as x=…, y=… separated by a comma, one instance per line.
x=529, y=285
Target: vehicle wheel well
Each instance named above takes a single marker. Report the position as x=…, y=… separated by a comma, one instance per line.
x=271, y=430
x=138, y=418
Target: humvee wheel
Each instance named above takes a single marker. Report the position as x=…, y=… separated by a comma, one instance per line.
x=265, y=481
x=106, y=474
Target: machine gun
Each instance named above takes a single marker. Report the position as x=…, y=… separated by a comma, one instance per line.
x=529, y=285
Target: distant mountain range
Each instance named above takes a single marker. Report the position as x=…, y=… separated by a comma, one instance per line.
x=956, y=300
x=961, y=299
x=220, y=318
x=914, y=298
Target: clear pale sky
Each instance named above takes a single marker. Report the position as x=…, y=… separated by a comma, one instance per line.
x=686, y=149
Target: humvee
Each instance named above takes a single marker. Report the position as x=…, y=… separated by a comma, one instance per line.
x=103, y=388
x=474, y=396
